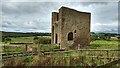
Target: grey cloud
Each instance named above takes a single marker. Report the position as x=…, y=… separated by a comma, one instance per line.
x=7, y=24
x=32, y=25
x=36, y=16
x=24, y=13
x=111, y=27
x=87, y=3
x=105, y=13
x=28, y=7
x=60, y=0
x=102, y=12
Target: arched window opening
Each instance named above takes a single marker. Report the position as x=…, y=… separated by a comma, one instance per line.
x=56, y=38
x=75, y=31
x=70, y=36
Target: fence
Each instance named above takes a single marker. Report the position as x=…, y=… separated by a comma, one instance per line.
x=93, y=56
x=96, y=56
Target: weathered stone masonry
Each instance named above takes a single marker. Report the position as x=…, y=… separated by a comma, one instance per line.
x=70, y=28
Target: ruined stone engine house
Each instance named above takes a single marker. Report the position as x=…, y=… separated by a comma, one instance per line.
x=70, y=28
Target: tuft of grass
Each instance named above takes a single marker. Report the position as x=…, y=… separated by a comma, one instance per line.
x=104, y=44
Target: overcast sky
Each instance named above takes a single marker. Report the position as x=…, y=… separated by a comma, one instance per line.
x=36, y=16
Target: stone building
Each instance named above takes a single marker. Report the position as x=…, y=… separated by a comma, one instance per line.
x=70, y=28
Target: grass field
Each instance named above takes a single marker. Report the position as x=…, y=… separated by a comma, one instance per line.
x=61, y=59
x=103, y=44
x=24, y=39
x=75, y=58
x=97, y=44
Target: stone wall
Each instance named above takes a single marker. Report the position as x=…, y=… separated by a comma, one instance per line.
x=74, y=21
x=54, y=27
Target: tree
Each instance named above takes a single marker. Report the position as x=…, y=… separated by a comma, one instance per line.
x=104, y=36
x=6, y=39
x=107, y=36
x=42, y=40
x=101, y=36
x=36, y=39
x=93, y=37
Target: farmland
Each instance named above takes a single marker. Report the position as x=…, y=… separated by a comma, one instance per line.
x=103, y=44
x=66, y=58
x=97, y=44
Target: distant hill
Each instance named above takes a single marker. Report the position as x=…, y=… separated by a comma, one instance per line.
x=20, y=34
x=111, y=34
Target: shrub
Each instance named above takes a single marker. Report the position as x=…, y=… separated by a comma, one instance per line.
x=93, y=37
x=42, y=40
x=6, y=39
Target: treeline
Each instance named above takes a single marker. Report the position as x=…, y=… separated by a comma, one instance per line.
x=112, y=34
x=19, y=34
x=103, y=36
x=6, y=36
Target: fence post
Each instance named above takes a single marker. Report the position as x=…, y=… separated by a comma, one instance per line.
x=26, y=47
x=119, y=46
x=107, y=54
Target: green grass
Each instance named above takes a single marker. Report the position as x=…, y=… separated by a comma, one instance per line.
x=19, y=61
x=22, y=39
x=55, y=59
x=98, y=44
x=104, y=44
x=25, y=39
x=21, y=48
